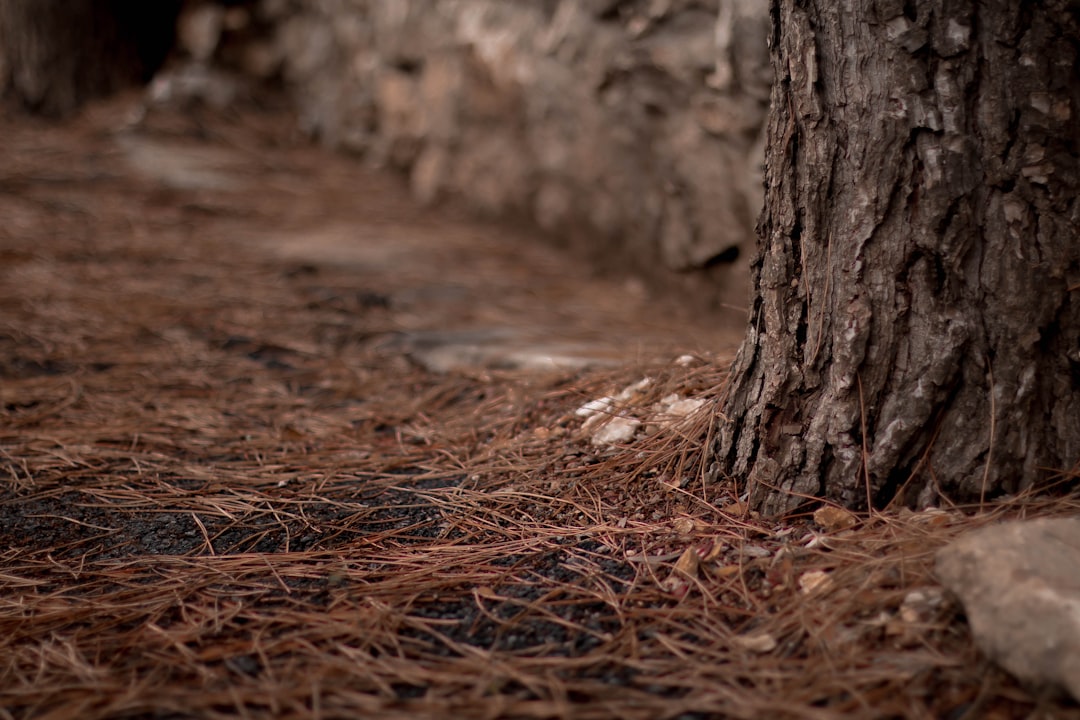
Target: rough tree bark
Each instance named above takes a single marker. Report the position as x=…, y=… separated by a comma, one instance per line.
x=55, y=54
x=915, y=328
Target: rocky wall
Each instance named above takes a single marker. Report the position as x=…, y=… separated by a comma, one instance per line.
x=633, y=128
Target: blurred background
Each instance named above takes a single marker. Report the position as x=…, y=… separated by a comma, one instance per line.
x=630, y=131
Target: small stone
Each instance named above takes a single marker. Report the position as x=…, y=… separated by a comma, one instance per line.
x=920, y=605
x=761, y=642
x=675, y=407
x=1018, y=584
x=633, y=389
x=684, y=525
x=814, y=581
x=755, y=551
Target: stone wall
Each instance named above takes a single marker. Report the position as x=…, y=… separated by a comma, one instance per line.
x=633, y=128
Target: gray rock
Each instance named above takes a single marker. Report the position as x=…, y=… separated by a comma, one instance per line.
x=581, y=114
x=1019, y=583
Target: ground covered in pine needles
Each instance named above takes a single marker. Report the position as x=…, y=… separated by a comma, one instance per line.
x=227, y=491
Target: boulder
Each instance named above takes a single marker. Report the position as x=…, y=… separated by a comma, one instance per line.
x=1019, y=583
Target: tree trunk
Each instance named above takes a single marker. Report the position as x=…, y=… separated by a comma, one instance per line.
x=915, y=329
x=55, y=54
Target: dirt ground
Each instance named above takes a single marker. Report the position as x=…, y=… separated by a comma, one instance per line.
x=275, y=442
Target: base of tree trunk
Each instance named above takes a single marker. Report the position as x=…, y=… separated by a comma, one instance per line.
x=915, y=330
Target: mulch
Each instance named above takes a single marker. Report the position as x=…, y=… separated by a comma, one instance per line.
x=221, y=498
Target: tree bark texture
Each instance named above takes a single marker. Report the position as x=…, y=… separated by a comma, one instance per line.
x=55, y=54
x=915, y=326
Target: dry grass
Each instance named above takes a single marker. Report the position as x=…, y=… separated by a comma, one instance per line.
x=218, y=502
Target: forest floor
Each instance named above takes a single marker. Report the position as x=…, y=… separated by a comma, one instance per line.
x=275, y=442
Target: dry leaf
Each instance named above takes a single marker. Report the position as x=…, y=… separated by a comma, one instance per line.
x=735, y=509
x=724, y=571
x=834, y=519
x=487, y=593
x=685, y=570
x=688, y=562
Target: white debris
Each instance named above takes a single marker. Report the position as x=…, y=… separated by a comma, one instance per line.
x=608, y=403
x=600, y=405
x=672, y=409
x=676, y=407
x=920, y=605
x=608, y=419
x=616, y=430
